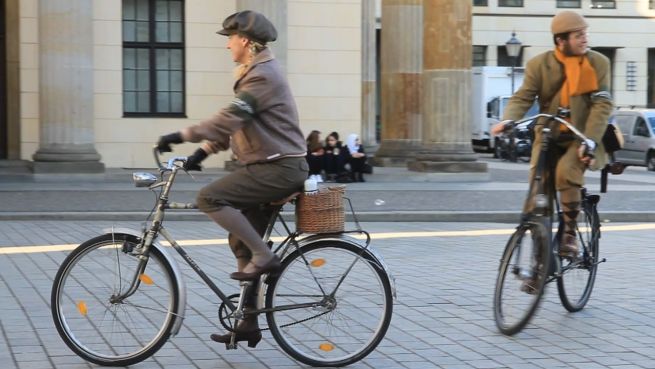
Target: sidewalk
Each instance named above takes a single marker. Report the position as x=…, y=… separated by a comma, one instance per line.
x=390, y=194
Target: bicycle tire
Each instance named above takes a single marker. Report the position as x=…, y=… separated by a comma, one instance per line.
x=106, y=333
x=322, y=336
x=518, y=265
x=578, y=276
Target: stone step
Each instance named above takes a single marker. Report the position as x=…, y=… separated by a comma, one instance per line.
x=15, y=167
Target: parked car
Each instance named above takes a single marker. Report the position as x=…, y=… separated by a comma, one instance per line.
x=638, y=129
x=516, y=144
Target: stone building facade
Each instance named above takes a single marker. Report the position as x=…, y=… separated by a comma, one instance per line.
x=620, y=29
x=97, y=81
x=89, y=84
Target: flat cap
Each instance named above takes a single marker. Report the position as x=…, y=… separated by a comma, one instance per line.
x=250, y=24
x=567, y=21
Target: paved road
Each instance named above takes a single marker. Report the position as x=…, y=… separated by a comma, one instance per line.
x=445, y=276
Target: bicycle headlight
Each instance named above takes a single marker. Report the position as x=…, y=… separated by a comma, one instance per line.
x=143, y=179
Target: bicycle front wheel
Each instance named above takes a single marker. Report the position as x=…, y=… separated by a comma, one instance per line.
x=335, y=304
x=521, y=277
x=578, y=275
x=93, y=321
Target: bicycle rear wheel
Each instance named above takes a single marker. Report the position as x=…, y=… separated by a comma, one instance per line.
x=342, y=326
x=521, y=278
x=578, y=276
x=90, y=321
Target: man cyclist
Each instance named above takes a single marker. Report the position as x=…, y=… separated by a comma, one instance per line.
x=261, y=125
x=575, y=81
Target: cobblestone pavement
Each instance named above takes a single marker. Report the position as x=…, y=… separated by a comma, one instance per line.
x=445, y=275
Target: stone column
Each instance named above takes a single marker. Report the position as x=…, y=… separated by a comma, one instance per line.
x=368, y=75
x=66, y=88
x=276, y=12
x=12, y=83
x=401, y=64
x=446, y=100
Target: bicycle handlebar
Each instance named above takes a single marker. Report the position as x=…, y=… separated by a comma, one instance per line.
x=575, y=131
x=590, y=144
x=171, y=162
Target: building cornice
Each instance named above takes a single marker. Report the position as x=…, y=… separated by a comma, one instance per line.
x=507, y=15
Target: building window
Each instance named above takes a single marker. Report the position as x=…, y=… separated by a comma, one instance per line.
x=610, y=53
x=651, y=79
x=153, y=58
x=480, y=3
x=603, y=4
x=651, y=4
x=479, y=55
x=514, y=3
x=505, y=60
x=569, y=3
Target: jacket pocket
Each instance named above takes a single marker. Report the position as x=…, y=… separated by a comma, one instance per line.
x=243, y=144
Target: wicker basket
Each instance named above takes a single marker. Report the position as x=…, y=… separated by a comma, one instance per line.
x=321, y=212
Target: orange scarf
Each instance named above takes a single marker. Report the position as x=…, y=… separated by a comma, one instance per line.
x=580, y=77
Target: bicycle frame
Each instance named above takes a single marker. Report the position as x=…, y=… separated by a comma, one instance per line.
x=546, y=193
x=156, y=228
x=544, y=198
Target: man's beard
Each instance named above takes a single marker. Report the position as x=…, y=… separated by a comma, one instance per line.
x=568, y=50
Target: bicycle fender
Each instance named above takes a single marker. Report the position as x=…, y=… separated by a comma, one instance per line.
x=181, y=286
x=350, y=240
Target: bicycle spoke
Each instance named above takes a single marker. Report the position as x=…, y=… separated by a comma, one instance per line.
x=348, y=324
x=577, y=279
x=118, y=332
x=520, y=281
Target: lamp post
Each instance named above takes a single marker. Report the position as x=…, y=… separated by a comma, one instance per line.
x=513, y=47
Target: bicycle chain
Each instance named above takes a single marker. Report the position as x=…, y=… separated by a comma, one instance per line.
x=230, y=329
x=297, y=322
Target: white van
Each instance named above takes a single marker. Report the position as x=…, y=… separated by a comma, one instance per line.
x=638, y=129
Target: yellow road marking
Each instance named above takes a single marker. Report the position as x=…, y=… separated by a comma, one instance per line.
x=28, y=249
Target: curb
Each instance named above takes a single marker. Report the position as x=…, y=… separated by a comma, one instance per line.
x=362, y=216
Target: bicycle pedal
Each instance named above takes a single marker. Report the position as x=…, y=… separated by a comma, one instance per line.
x=232, y=346
x=571, y=257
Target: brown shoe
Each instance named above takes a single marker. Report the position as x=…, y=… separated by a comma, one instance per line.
x=569, y=246
x=271, y=266
x=247, y=330
x=529, y=286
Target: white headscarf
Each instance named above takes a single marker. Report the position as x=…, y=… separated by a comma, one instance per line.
x=352, y=143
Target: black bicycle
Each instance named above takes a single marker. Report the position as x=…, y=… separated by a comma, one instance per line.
x=117, y=298
x=531, y=258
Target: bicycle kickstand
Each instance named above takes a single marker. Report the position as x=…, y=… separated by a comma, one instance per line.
x=238, y=315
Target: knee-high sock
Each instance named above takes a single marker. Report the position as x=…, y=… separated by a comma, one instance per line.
x=236, y=223
x=570, y=199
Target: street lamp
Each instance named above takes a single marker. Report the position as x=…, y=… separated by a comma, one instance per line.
x=513, y=47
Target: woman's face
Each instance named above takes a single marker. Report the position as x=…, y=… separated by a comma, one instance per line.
x=238, y=45
x=332, y=141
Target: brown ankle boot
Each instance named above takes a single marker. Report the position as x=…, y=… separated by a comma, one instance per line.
x=246, y=330
x=569, y=246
